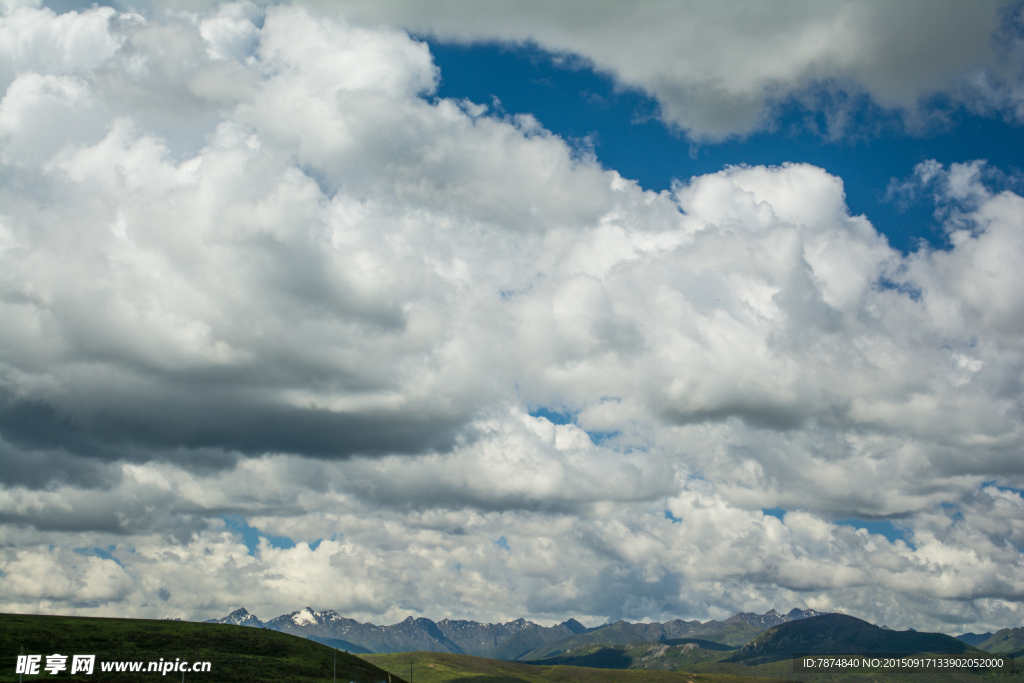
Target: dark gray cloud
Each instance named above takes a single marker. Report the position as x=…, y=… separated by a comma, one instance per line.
x=228, y=423
x=37, y=468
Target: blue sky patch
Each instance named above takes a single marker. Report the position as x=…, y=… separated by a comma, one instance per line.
x=599, y=438
x=881, y=527
x=622, y=128
x=105, y=553
x=237, y=524
x=553, y=416
x=1019, y=492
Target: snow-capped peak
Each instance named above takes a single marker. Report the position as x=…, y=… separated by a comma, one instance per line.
x=305, y=617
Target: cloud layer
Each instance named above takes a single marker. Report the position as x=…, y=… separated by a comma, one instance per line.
x=724, y=69
x=249, y=266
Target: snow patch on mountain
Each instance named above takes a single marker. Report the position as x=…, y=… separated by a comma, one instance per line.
x=305, y=617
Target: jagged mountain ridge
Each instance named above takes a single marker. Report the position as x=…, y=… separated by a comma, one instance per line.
x=456, y=637
x=509, y=641
x=505, y=641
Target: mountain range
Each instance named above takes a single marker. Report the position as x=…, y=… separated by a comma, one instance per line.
x=1005, y=641
x=840, y=634
x=514, y=640
x=822, y=634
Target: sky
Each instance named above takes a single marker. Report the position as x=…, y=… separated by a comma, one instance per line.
x=599, y=310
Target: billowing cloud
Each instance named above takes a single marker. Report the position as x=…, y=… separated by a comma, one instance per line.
x=250, y=266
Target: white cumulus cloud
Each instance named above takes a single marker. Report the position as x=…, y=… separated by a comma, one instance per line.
x=264, y=274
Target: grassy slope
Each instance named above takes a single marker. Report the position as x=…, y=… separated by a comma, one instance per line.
x=238, y=654
x=438, y=667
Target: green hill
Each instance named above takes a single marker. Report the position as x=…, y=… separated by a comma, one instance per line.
x=441, y=667
x=237, y=654
x=840, y=634
x=1005, y=641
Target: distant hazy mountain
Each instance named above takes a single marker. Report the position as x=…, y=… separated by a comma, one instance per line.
x=1005, y=641
x=974, y=639
x=771, y=617
x=839, y=634
x=735, y=630
x=505, y=641
x=519, y=639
